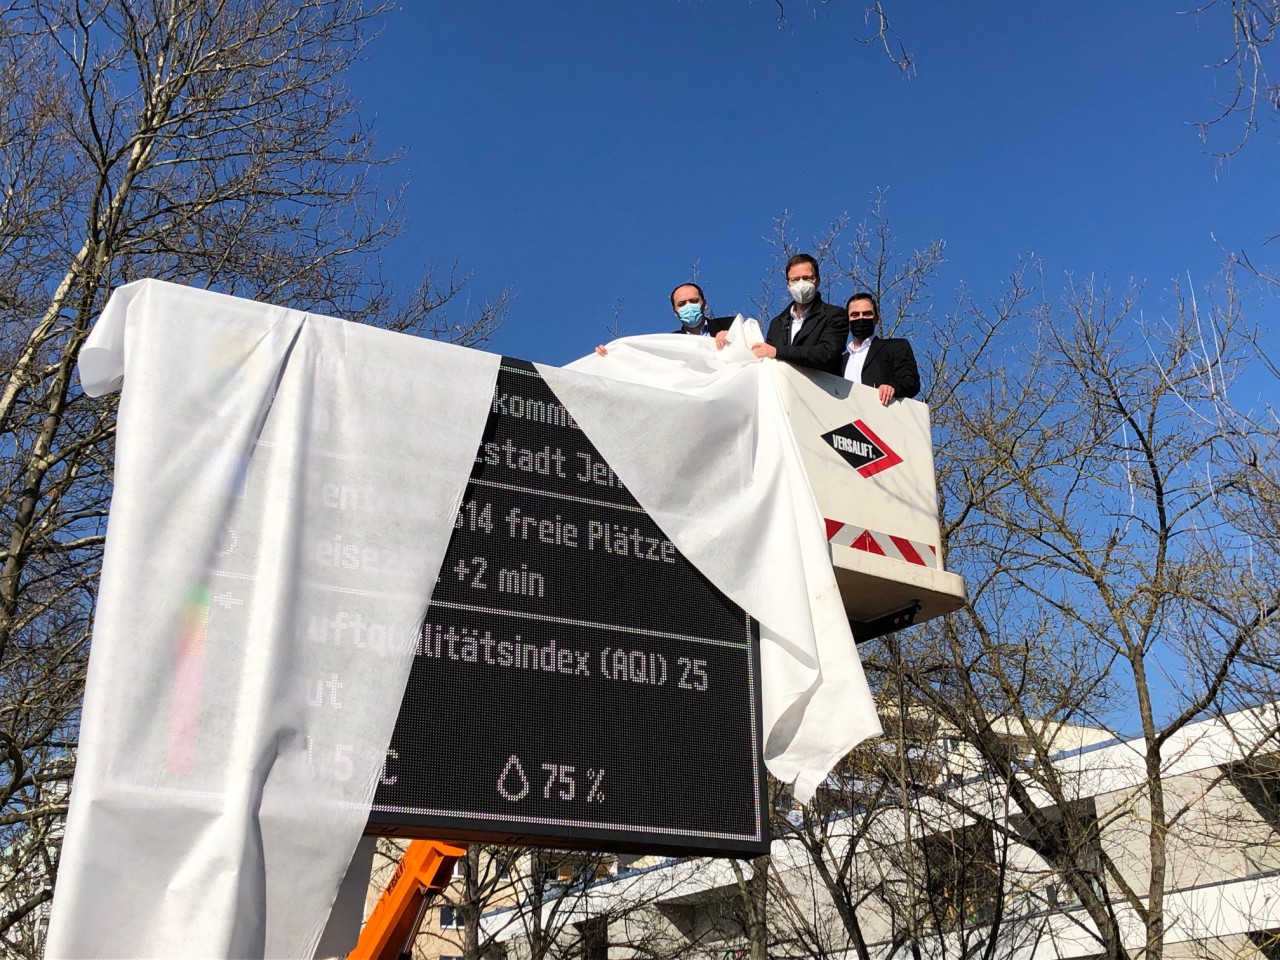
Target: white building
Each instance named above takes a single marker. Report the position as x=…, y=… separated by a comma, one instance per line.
x=957, y=868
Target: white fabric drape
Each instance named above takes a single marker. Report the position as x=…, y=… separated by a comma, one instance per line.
x=216, y=805
x=709, y=453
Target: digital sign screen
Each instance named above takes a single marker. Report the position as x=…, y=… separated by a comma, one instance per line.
x=577, y=683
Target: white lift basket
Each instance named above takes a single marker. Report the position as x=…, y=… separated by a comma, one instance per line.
x=871, y=469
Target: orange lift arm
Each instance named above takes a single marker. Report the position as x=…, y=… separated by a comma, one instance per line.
x=424, y=870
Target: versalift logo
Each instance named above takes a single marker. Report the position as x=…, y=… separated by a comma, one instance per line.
x=861, y=448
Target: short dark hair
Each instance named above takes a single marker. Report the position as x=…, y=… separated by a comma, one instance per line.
x=688, y=283
x=798, y=259
x=863, y=295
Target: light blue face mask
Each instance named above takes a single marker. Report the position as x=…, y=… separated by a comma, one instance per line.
x=690, y=315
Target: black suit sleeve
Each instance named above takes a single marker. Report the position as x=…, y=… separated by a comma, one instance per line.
x=825, y=351
x=905, y=375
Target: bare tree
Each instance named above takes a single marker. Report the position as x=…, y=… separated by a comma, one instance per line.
x=1115, y=519
x=208, y=142
x=880, y=33
x=1250, y=93
x=1082, y=489
x=887, y=856
x=518, y=902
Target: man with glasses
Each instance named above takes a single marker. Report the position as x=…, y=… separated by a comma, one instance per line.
x=809, y=332
x=889, y=364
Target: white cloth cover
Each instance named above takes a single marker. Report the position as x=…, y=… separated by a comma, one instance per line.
x=281, y=477
x=711, y=457
x=232, y=738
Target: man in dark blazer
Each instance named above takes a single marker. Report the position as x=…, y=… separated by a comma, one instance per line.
x=886, y=364
x=809, y=332
x=689, y=304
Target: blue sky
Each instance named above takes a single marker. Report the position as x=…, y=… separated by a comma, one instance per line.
x=587, y=152
x=584, y=153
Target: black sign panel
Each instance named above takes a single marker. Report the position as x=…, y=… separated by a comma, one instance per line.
x=577, y=682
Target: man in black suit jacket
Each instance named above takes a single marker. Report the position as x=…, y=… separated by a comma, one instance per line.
x=887, y=364
x=689, y=304
x=809, y=333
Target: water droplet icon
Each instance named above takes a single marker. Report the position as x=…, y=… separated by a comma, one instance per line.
x=512, y=782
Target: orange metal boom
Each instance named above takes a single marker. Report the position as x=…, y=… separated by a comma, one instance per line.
x=424, y=870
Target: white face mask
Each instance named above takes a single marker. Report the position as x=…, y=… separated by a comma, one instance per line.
x=802, y=291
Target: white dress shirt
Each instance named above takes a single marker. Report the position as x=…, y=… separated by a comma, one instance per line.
x=797, y=320
x=857, y=358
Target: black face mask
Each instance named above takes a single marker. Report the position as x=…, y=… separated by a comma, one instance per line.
x=861, y=328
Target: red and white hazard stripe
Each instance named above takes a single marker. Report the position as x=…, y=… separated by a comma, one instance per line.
x=882, y=544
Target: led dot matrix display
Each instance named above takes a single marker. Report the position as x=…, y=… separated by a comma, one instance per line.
x=577, y=683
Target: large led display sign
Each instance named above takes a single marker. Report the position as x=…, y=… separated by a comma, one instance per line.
x=577, y=683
